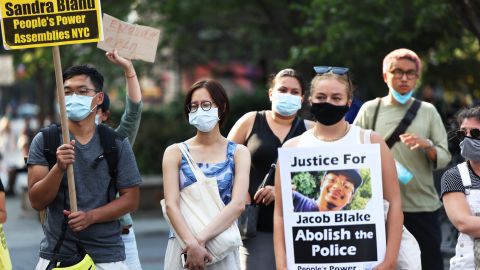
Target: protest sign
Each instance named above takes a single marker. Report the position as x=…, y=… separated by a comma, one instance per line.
x=34, y=23
x=333, y=207
x=131, y=40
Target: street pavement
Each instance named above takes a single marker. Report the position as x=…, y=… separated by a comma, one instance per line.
x=24, y=233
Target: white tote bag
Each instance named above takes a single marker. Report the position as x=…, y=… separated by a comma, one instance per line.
x=200, y=203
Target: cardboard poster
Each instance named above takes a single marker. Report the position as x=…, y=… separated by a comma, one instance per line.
x=7, y=76
x=333, y=207
x=131, y=40
x=34, y=23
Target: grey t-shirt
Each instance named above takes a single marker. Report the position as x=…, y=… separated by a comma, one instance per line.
x=101, y=240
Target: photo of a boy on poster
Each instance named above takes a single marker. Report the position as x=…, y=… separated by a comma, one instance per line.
x=337, y=189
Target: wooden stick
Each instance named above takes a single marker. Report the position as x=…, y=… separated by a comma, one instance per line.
x=63, y=120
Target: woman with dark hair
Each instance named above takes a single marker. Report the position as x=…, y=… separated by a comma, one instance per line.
x=206, y=107
x=263, y=132
x=461, y=192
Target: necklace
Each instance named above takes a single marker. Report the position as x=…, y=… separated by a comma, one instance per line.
x=347, y=128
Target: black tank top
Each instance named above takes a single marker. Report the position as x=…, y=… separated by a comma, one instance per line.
x=263, y=144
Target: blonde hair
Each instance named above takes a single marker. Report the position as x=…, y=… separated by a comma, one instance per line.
x=401, y=54
x=343, y=79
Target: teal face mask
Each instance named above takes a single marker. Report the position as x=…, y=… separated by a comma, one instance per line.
x=78, y=107
x=402, y=99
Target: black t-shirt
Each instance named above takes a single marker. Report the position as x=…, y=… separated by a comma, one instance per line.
x=452, y=181
x=263, y=144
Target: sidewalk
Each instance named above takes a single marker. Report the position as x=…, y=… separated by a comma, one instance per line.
x=24, y=233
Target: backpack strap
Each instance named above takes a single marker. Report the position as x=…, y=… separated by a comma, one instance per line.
x=375, y=115
x=110, y=151
x=51, y=141
x=108, y=138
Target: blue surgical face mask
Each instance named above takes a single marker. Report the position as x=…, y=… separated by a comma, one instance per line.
x=402, y=99
x=204, y=121
x=78, y=107
x=286, y=104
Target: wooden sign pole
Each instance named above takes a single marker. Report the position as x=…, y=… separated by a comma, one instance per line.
x=63, y=120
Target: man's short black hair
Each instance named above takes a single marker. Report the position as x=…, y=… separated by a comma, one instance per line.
x=90, y=71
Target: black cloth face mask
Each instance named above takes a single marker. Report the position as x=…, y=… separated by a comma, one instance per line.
x=327, y=113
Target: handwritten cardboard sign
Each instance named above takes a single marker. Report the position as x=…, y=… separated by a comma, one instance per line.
x=33, y=23
x=131, y=40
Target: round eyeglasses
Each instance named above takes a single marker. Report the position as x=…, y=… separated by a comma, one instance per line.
x=205, y=105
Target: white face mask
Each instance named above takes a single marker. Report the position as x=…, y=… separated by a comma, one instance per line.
x=97, y=119
x=204, y=121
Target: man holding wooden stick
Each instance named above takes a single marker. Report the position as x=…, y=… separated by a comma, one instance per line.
x=95, y=226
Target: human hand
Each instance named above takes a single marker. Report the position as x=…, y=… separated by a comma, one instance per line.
x=197, y=256
x=265, y=195
x=414, y=142
x=65, y=155
x=118, y=60
x=79, y=220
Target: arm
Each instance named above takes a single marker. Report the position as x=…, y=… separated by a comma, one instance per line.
x=3, y=211
x=127, y=202
x=232, y=210
x=278, y=227
x=130, y=120
x=170, y=165
x=391, y=193
x=43, y=184
x=460, y=215
x=242, y=128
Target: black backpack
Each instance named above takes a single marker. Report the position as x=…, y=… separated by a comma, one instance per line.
x=108, y=136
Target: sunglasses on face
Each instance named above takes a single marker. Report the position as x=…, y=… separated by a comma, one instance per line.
x=462, y=133
x=335, y=70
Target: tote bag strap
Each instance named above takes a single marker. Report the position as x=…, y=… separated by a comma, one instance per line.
x=199, y=175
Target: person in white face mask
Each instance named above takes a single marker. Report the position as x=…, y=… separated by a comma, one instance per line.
x=460, y=190
x=421, y=147
x=206, y=106
x=263, y=132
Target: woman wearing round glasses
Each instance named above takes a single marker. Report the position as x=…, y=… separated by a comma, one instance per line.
x=461, y=192
x=206, y=106
x=263, y=132
x=330, y=98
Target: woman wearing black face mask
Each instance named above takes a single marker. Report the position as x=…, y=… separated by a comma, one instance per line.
x=461, y=192
x=331, y=96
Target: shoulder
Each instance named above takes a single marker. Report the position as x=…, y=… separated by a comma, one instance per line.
x=293, y=142
x=241, y=150
x=308, y=124
x=248, y=118
x=172, y=149
x=451, y=174
x=371, y=104
x=172, y=154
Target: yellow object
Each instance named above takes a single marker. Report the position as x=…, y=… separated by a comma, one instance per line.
x=86, y=264
x=5, y=263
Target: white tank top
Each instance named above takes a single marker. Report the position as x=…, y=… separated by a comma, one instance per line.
x=353, y=136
